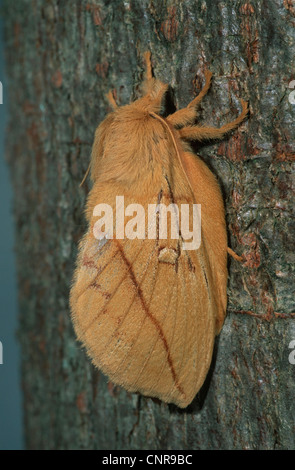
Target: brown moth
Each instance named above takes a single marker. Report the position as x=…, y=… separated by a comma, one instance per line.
x=147, y=310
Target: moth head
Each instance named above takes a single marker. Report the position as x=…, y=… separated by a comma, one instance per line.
x=152, y=101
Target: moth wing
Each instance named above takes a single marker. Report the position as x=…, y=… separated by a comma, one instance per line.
x=144, y=310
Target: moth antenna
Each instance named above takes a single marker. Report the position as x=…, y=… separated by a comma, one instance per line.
x=149, y=80
x=153, y=89
x=148, y=64
x=111, y=99
x=85, y=176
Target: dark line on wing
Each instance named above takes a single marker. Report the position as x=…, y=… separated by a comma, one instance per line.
x=142, y=324
x=170, y=189
x=205, y=276
x=191, y=266
x=204, y=271
x=98, y=287
x=160, y=195
x=113, y=293
x=134, y=297
x=151, y=317
x=180, y=236
x=88, y=263
x=177, y=259
x=156, y=341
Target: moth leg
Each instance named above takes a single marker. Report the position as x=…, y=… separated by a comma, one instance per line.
x=234, y=254
x=187, y=115
x=111, y=99
x=204, y=133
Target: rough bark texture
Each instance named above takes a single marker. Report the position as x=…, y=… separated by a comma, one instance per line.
x=62, y=57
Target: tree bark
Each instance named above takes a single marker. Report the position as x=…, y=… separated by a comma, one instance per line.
x=62, y=58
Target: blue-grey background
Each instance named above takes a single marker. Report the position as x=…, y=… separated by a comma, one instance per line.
x=10, y=392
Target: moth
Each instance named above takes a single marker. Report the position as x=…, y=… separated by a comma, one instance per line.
x=146, y=309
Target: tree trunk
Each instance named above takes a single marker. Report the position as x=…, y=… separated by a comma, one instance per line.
x=62, y=58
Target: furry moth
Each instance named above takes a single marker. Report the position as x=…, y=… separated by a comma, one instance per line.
x=147, y=310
